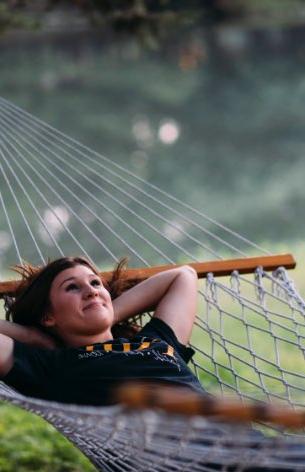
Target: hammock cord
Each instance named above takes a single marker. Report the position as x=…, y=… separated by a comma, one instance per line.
x=10, y=226
x=76, y=198
x=119, y=202
x=77, y=148
x=29, y=199
x=105, y=208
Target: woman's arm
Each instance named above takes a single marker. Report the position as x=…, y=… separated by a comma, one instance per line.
x=26, y=334
x=6, y=354
x=173, y=296
x=10, y=331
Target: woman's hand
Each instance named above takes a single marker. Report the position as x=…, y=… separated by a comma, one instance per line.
x=40, y=339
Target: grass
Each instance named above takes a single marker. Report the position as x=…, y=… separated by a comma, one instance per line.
x=28, y=443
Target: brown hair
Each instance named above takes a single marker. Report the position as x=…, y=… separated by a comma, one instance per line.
x=31, y=301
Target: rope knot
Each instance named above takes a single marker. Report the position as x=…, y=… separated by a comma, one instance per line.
x=211, y=287
x=259, y=286
x=235, y=282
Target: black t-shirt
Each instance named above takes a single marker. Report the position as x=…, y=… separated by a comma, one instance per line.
x=87, y=375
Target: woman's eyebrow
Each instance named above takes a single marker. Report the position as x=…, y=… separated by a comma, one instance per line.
x=66, y=280
x=73, y=278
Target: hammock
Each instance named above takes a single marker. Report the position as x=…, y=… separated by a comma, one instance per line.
x=61, y=198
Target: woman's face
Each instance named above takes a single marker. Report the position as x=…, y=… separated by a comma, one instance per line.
x=80, y=304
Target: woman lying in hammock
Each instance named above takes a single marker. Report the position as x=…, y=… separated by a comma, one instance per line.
x=61, y=344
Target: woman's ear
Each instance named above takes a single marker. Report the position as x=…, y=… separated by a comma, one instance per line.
x=48, y=320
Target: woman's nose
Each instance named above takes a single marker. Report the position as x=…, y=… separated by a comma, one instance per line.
x=91, y=291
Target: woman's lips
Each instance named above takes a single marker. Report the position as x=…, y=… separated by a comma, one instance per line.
x=92, y=305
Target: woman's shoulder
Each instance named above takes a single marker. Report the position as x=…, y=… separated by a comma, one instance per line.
x=157, y=328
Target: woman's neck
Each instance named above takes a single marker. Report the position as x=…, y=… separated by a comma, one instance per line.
x=85, y=340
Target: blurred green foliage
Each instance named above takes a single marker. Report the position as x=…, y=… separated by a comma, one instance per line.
x=236, y=96
x=11, y=19
x=147, y=20
x=29, y=444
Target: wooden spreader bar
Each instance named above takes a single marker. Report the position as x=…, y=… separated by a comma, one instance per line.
x=179, y=400
x=218, y=268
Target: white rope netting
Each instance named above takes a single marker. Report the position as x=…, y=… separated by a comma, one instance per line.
x=59, y=197
x=116, y=439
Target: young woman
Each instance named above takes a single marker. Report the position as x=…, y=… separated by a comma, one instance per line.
x=60, y=345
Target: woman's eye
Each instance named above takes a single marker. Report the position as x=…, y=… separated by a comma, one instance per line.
x=96, y=282
x=71, y=287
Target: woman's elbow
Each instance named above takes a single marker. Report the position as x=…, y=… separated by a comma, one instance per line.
x=6, y=354
x=187, y=269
